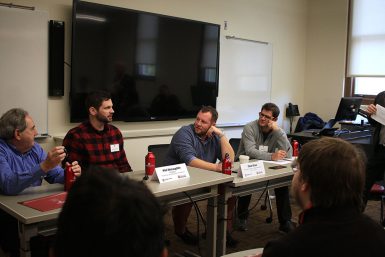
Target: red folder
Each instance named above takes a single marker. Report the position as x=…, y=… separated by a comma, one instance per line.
x=47, y=203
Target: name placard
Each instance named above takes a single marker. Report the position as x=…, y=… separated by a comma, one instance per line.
x=251, y=169
x=170, y=173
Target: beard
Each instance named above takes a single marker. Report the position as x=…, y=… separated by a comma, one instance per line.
x=200, y=133
x=102, y=118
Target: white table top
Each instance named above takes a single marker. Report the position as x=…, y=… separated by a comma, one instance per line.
x=269, y=175
x=198, y=178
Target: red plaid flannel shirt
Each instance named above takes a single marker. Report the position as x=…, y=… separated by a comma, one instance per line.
x=91, y=147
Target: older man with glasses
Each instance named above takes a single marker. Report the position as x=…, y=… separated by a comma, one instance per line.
x=263, y=139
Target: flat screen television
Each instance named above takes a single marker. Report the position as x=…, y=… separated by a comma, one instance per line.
x=156, y=67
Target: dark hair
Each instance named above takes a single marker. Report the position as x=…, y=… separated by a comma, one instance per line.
x=271, y=107
x=210, y=109
x=10, y=121
x=96, y=98
x=335, y=171
x=108, y=214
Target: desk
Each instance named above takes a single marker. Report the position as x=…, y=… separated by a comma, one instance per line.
x=355, y=137
x=245, y=186
x=201, y=185
x=362, y=139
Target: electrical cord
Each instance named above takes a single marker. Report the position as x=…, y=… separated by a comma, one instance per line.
x=198, y=214
x=259, y=199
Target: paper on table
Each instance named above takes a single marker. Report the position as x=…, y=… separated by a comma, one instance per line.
x=379, y=115
x=280, y=162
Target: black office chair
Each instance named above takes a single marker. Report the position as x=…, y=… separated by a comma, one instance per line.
x=234, y=142
x=160, y=152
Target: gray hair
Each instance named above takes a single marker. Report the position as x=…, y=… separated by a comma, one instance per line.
x=12, y=120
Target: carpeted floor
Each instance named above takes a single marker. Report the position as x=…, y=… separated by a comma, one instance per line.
x=258, y=234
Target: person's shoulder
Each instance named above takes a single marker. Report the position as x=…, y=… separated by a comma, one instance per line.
x=253, y=123
x=113, y=129
x=251, y=126
x=78, y=129
x=3, y=146
x=185, y=129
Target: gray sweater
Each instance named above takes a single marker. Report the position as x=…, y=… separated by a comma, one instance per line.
x=252, y=138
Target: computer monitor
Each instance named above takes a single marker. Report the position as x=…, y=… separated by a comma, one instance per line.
x=348, y=109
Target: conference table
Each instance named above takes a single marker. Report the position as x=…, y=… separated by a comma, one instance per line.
x=201, y=185
x=273, y=178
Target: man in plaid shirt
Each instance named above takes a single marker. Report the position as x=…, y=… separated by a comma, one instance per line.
x=95, y=141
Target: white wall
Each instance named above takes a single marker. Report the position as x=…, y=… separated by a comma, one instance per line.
x=325, y=59
x=284, y=23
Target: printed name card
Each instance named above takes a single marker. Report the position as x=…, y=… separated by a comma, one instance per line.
x=170, y=173
x=251, y=169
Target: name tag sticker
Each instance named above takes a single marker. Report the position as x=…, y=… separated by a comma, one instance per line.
x=114, y=148
x=263, y=148
x=170, y=173
x=251, y=169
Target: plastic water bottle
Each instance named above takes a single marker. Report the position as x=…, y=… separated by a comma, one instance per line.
x=150, y=163
x=69, y=177
x=226, y=165
x=295, y=148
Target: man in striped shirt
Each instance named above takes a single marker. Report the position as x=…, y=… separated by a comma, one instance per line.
x=95, y=141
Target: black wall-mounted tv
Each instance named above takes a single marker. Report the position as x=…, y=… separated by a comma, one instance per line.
x=156, y=67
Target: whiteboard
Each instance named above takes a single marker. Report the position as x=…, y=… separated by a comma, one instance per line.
x=245, y=73
x=24, y=63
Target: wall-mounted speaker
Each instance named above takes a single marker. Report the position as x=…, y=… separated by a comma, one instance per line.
x=56, y=58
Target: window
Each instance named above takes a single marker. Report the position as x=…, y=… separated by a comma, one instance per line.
x=366, y=49
x=368, y=85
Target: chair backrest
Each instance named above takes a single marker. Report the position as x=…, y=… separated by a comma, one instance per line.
x=234, y=142
x=160, y=152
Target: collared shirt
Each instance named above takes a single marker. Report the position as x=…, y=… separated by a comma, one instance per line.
x=253, y=138
x=91, y=147
x=19, y=171
x=186, y=146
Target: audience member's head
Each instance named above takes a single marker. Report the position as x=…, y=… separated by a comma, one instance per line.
x=12, y=120
x=271, y=107
x=107, y=214
x=210, y=109
x=330, y=174
x=96, y=98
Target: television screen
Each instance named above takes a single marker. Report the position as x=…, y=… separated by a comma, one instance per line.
x=156, y=67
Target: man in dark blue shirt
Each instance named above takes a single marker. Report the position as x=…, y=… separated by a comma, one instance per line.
x=199, y=145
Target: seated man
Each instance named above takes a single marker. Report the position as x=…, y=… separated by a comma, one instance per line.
x=199, y=145
x=262, y=139
x=107, y=214
x=95, y=142
x=23, y=163
x=328, y=183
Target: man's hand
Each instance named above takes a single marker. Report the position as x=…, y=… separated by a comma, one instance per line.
x=371, y=109
x=76, y=169
x=54, y=158
x=273, y=125
x=214, y=131
x=279, y=155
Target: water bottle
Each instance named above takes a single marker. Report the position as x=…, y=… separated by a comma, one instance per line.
x=150, y=164
x=295, y=148
x=226, y=165
x=69, y=177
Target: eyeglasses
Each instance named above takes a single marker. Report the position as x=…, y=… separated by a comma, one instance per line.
x=261, y=115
